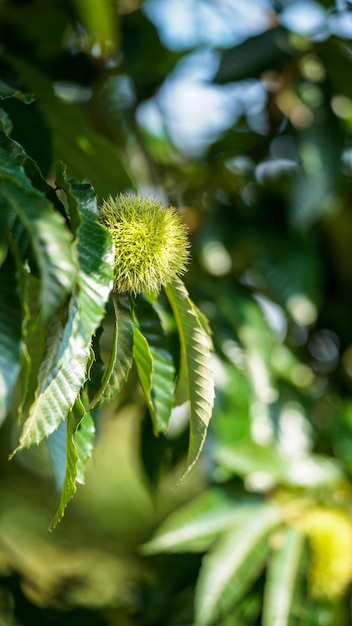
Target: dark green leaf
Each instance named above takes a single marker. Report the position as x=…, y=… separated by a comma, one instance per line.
x=154, y=365
x=6, y=91
x=87, y=154
x=11, y=316
x=121, y=355
x=50, y=240
x=267, y=51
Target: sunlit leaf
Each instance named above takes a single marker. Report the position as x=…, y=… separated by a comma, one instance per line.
x=233, y=564
x=281, y=580
x=196, y=371
x=63, y=371
x=154, y=364
x=61, y=376
x=195, y=526
x=245, y=457
x=101, y=21
x=80, y=434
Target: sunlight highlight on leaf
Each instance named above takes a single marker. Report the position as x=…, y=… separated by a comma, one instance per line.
x=233, y=564
x=80, y=435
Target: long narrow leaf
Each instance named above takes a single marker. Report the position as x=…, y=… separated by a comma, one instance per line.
x=196, y=371
x=282, y=576
x=121, y=356
x=80, y=434
x=154, y=365
x=233, y=564
x=61, y=376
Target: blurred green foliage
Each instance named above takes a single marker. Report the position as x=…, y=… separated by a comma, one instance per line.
x=267, y=202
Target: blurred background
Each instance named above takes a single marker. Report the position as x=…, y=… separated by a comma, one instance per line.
x=240, y=115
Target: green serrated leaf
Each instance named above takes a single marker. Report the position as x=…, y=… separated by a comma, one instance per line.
x=63, y=371
x=80, y=435
x=34, y=336
x=18, y=154
x=11, y=317
x=196, y=371
x=195, y=526
x=121, y=356
x=50, y=239
x=154, y=364
x=232, y=565
x=61, y=376
x=283, y=571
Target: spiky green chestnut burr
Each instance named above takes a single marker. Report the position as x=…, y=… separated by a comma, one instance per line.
x=151, y=244
x=330, y=535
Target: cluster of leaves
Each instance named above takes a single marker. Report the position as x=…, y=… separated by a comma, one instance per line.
x=56, y=279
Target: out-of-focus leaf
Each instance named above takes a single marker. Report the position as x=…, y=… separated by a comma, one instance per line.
x=11, y=317
x=267, y=51
x=246, y=457
x=195, y=526
x=3, y=230
x=50, y=239
x=87, y=154
x=196, y=373
x=6, y=91
x=101, y=22
x=28, y=123
x=154, y=365
x=233, y=564
x=141, y=45
x=16, y=152
x=282, y=574
x=80, y=434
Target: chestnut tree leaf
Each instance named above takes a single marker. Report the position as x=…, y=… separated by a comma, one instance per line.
x=154, y=364
x=63, y=371
x=196, y=375
x=79, y=446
